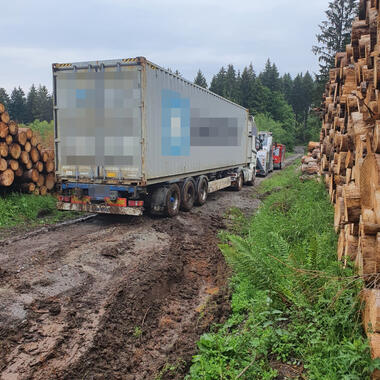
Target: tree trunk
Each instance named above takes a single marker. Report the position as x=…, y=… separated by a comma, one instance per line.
x=4, y=130
x=4, y=149
x=352, y=207
x=19, y=172
x=39, y=166
x=13, y=128
x=9, y=139
x=5, y=117
x=50, y=181
x=34, y=141
x=41, y=180
x=3, y=165
x=34, y=155
x=21, y=137
x=31, y=175
x=28, y=147
x=27, y=131
x=49, y=166
x=43, y=190
x=28, y=187
x=7, y=177
x=24, y=157
x=13, y=164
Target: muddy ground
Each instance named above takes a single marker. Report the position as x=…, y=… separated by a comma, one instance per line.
x=115, y=298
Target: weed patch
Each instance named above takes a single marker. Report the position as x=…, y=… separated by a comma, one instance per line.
x=295, y=309
x=26, y=210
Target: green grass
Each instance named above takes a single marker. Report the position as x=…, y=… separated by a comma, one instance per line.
x=24, y=210
x=44, y=131
x=280, y=180
x=293, y=305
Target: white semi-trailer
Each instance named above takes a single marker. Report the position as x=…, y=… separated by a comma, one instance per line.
x=131, y=136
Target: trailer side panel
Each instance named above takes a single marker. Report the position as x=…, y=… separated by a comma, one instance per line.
x=189, y=129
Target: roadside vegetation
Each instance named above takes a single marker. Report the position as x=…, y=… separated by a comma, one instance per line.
x=44, y=130
x=26, y=211
x=295, y=309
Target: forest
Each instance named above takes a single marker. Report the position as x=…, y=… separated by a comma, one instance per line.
x=36, y=105
x=281, y=104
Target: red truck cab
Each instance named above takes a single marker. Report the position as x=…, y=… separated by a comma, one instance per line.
x=278, y=156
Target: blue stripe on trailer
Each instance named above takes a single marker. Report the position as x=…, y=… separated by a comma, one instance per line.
x=89, y=186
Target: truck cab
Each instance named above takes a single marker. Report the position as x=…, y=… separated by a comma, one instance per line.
x=265, y=154
x=278, y=156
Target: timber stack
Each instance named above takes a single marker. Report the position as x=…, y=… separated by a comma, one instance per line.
x=350, y=157
x=24, y=164
x=310, y=161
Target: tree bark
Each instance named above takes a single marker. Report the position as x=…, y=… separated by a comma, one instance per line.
x=31, y=175
x=352, y=206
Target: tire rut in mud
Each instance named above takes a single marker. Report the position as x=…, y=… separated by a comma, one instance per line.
x=161, y=307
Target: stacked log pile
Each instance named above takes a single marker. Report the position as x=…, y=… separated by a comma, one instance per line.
x=24, y=164
x=310, y=162
x=350, y=157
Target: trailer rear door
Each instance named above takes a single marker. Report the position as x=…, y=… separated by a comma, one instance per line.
x=98, y=120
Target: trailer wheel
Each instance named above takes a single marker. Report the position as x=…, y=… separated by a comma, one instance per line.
x=188, y=194
x=202, y=190
x=239, y=182
x=173, y=200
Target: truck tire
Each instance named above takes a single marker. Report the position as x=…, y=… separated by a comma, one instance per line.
x=188, y=194
x=202, y=190
x=239, y=182
x=165, y=200
x=173, y=200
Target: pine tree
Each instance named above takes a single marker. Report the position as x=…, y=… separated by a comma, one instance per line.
x=296, y=98
x=17, y=105
x=260, y=97
x=44, y=104
x=246, y=86
x=32, y=103
x=218, y=82
x=334, y=33
x=286, y=86
x=231, y=84
x=4, y=97
x=200, y=79
x=307, y=99
x=270, y=77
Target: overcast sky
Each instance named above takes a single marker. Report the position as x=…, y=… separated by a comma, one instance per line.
x=181, y=34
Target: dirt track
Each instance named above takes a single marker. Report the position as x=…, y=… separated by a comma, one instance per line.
x=115, y=299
